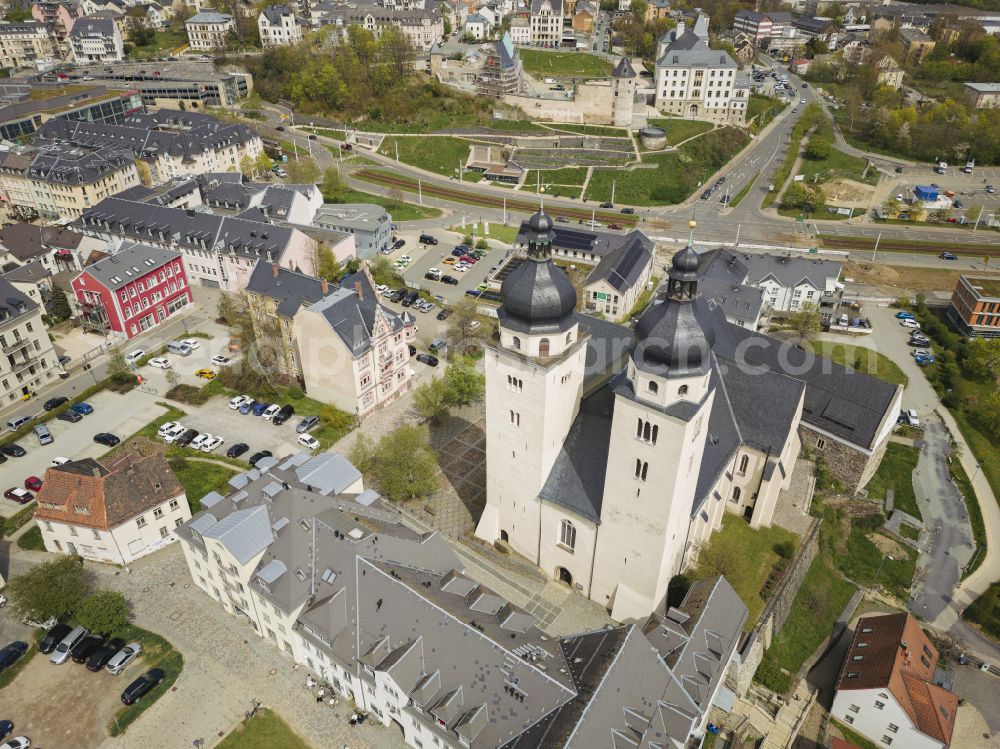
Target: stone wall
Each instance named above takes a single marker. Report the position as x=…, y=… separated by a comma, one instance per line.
x=848, y=465
x=776, y=612
x=592, y=104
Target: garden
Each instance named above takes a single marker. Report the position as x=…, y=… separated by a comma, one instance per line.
x=441, y=154
x=542, y=63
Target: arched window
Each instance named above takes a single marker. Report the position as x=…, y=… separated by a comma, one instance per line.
x=652, y=387
x=656, y=430
x=736, y=494
x=743, y=463
x=567, y=534
x=641, y=467
x=516, y=343
x=543, y=347
x=682, y=390
x=638, y=429
x=646, y=432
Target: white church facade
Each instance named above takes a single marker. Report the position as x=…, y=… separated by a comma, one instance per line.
x=612, y=454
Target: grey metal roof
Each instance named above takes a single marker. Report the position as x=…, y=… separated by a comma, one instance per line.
x=352, y=315
x=688, y=47
x=130, y=263
x=328, y=473
x=210, y=16
x=537, y=297
x=91, y=26
x=245, y=533
x=272, y=571
x=203, y=522
x=624, y=266
x=790, y=270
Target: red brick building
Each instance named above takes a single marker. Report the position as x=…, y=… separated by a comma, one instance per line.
x=133, y=290
x=975, y=306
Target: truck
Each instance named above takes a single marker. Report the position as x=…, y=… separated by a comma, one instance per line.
x=941, y=168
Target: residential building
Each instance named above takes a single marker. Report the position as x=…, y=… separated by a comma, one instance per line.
x=209, y=30
x=152, y=15
x=185, y=85
x=424, y=27
x=96, y=40
x=231, y=194
x=916, y=45
x=585, y=15
x=761, y=27
x=983, y=95
x=975, y=306
x=791, y=282
x=889, y=689
x=135, y=289
x=546, y=23
x=27, y=360
x=657, y=10
x=502, y=70
x=28, y=104
x=114, y=513
x=591, y=425
x=824, y=29
x=615, y=285
x=27, y=44
x=56, y=248
x=370, y=225
x=477, y=27
x=57, y=15
x=279, y=26
x=218, y=251
x=390, y=620
x=694, y=81
x=889, y=72
x=724, y=281
x=520, y=29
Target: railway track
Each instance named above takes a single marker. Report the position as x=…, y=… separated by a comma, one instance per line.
x=458, y=195
x=905, y=245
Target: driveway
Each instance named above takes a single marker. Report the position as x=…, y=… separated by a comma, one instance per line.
x=219, y=419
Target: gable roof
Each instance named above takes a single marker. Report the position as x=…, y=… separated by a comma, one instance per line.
x=26, y=241
x=131, y=262
x=624, y=266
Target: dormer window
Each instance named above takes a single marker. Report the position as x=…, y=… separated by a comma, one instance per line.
x=652, y=387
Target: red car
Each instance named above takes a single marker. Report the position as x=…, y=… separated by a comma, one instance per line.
x=469, y=259
x=33, y=483
x=615, y=226
x=18, y=495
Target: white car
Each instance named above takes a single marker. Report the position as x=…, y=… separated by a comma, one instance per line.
x=907, y=323
x=61, y=461
x=165, y=429
x=176, y=431
x=920, y=352
x=802, y=101
x=387, y=292
x=134, y=356
x=308, y=441
x=211, y=443
x=594, y=224
x=436, y=271
x=221, y=361
x=199, y=442
x=161, y=361
x=270, y=411
x=911, y=417
x=18, y=742
x=123, y=657
x=380, y=288
x=191, y=343
x=405, y=259
x=238, y=401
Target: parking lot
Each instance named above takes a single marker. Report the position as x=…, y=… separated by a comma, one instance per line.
x=433, y=256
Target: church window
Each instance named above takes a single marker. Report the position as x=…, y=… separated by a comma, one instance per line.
x=516, y=343
x=543, y=347
x=736, y=493
x=569, y=337
x=744, y=461
x=652, y=387
x=641, y=467
x=515, y=418
x=567, y=534
x=682, y=390
x=513, y=383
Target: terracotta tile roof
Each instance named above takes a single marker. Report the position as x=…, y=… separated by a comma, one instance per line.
x=893, y=653
x=92, y=495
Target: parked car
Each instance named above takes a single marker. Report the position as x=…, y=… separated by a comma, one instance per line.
x=450, y=280
x=198, y=442
x=308, y=441
x=306, y=424
x=920, y=352
x=13, y=450
x=69, y=415
x=10, y=654
x=83, y=649
x=239, y=400
x=171, y=435
x=271, y=410
x=103, y=654
x=60, y=461
x=909, y=323
x=133, y=356
x=53, y=403
x=260, y=408
x=84, y=409
x=904, y=316
x=923, y=361
x=186, y=438
x=53, y=637
x=106, y=438
x=6, y=728
x=283, y=415
x=165, y=428
x=911, y=417
x=18, y=742
x=205, y=374
x=237, y=450
x=706, y=195
x=211, y=443
x=247, y=407
x=160, y=362
x=123, y=657
x=19, y=495
x=141, y=686
x=62, y=651
x=430, y=361
x=221, y=361
x=259, y=456
x=33, y=483
x=399, y=244
x=444, y=314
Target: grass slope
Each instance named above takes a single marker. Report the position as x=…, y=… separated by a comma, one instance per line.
x=440, y=154
x=678, y=130
x=896, y=473
x=264, y=731
x=862, y=359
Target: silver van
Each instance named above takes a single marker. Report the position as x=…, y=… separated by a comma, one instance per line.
x=44, y=435
x=13, y=424
x=177, y=347
x=62, y=652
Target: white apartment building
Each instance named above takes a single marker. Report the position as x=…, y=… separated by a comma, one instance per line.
x=96, y=40
x=27, y=360
x=209, y=30
x=696, y=82
x=423, y=27
x=113, y=513
x=278, y=26
x=546, y=23
x=24, y=44
x=790, y=283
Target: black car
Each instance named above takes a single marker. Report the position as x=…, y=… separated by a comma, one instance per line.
x=280, y=128
x=397, y=295
x=53, y=403
x=450, y=280
x=10, y=654
x=607, y=205
x=106, y=438
x=312, y=137
x=237, y=450
x=70, y=415
x=399, y=243
x=53, y=637
x=86, y=647
x=899, y=170
x=186, y=438
x=283, y=415
x=444, y=314
x=142, y=685
x=628, y=211
x=706, y=195
x=948, y=256
x=410, y=298
x=100, y=657
x=13, y=450
x=257, y=457
x=430, y=361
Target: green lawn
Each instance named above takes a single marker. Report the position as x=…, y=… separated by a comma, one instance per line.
x=747, y=557
x=440, y=154
x=156, y=653
x=822, y=597
x=838, y=164
x=165, y=42
x=744, y=191
x=400, y=211
x=614, y=132
x=31, y=540
x=675, y=176
x=961, y=479
x=264, y=731
x=498, y=232
x=540, y=63
x=896, y=472
x=854, y=737
x=570, y=175
x=862, y=359
x=678, y=129
x=985, y=611
x=759, y=103
x=908, y=531
x=199, y=478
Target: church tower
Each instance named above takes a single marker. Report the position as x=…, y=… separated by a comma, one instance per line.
x=623, y=82
x=662, y=404
x=534, y=382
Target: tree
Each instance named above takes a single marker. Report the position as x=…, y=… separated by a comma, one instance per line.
x=638, y=9
x=145, y=175
x=232, y=308
x=796, y=196
x=890, y=206
x=464, y=383
x=302, y=171
x=446, y=20
x=404, y=466
x=325, y=263
x=939, y=215
x=982, y=358
x=59, y=306
x=482, y=244
x=805, y=322
x=262, y=164
x=104, y=611
x=464, y=312
x=989, y=415
x=52, y=589
x=819, y=148
x=333, y=187
x=432, y=400
x=173, y=379
x=118, y=369
x=246, y=166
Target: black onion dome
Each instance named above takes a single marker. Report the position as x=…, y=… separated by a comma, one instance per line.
x=537, y=297
x=670, y=340
x=686, y=261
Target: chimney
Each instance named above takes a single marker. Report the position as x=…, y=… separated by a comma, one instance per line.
x=358, y=291
x=97, y=472
x=324, y=286
x=274, y=270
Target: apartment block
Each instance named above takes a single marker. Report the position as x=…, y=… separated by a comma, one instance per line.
x=26, y=44
x=975, y=306
x=27, y=360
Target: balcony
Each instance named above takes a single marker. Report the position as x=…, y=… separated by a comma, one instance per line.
x=20, y=366
x=15, y=345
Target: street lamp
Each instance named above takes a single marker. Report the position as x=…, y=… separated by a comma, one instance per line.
x=880, y=561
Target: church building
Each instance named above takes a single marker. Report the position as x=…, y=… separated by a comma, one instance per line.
x=613, y=453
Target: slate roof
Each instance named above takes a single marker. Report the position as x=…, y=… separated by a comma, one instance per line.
x=789, y=270
x=624, y=266
x=290, y=289
x=31, y=272
x=598, y=243
x=131, y=262
x=623, y=69
x=26, y=241
x=556, y=5
x=688, y=47
x=91, y=26
x=352, y=316
x=274, y=13
x=69, y=163
x=13, y=303
x=106, y=496
x=210, y=16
